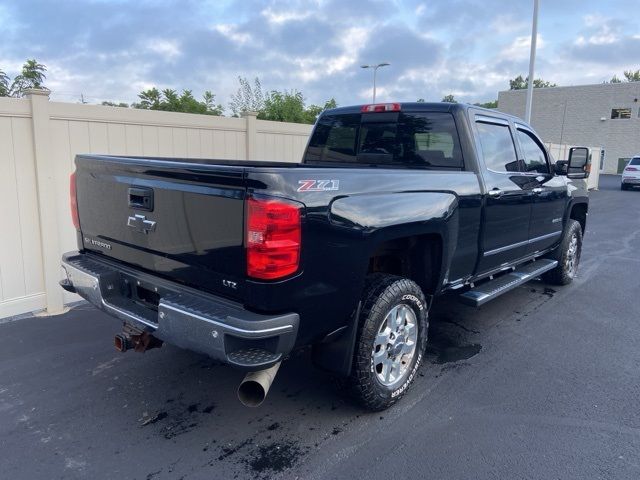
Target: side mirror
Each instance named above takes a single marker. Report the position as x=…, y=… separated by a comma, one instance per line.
x=561, y=167
x=579, y=163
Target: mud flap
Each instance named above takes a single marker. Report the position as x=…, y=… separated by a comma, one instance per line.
x=335, y=353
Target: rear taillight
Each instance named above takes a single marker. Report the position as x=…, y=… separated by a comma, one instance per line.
x=73, y=201
x=273, y=238
x=381, y=107
x=631, y=169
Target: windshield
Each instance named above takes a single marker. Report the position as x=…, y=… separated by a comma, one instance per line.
x=423, y=139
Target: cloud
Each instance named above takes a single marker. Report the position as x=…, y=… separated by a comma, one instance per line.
x=521, y=47
x=607, y=42
x=111, y=50
x=166, y=48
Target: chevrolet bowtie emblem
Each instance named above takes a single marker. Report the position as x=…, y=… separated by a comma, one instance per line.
x=140, y=224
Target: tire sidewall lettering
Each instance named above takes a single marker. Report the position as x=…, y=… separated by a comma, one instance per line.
x=416, y=303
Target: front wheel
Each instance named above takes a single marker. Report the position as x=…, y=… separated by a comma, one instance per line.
x=567, y=254
x=392, y=334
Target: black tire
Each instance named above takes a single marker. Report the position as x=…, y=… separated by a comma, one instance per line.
x=567, y=254
x=384, y=294
x=623, y=186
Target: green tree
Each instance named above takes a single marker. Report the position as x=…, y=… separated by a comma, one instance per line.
x=209, y=101
x=312, y=111
x=114, y=104
x=449, y=99
x=289, y=106
x=170, y=100
x=31, y=76
x=520, y=83
x=149, y=99
x=492, y=104
x=629, y=76
x=248, y=98
x=4, y=84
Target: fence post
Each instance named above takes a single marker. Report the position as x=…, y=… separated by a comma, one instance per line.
x=250, y=118
x=45, y=182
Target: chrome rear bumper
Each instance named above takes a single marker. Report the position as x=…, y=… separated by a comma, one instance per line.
x=180, y=315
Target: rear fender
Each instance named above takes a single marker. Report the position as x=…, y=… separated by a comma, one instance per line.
x=383, y=217
x=370, y=213
x=380, y=218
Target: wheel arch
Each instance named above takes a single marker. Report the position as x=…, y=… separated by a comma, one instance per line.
x=418, y=257
x=579, y=212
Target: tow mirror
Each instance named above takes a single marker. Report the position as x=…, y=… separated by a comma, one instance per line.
x=579, y=163
x=561, y=167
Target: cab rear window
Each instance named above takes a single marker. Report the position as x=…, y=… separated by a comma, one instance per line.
x=417, y=140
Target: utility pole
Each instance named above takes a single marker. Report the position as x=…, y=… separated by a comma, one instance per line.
x=532, y=61
x=375, y=71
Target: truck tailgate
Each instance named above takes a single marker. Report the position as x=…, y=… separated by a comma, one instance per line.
x=181, y=220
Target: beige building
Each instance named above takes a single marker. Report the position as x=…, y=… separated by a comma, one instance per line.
x=605, y=115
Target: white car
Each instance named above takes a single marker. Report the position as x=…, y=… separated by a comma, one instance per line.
x=631, y=174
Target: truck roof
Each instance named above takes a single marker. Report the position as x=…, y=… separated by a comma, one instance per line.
x=422, y=106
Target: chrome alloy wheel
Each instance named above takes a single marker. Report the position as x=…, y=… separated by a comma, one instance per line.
x=395, y=345
x=571, y=260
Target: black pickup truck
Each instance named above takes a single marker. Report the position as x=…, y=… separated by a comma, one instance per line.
x=392, y=205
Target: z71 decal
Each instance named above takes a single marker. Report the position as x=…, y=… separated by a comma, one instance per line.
x=318, y=185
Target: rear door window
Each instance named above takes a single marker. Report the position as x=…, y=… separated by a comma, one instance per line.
x=498, y=149
x=412, y=139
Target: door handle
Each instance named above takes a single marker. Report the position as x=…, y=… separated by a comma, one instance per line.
x=495, y=193
x=537, y=190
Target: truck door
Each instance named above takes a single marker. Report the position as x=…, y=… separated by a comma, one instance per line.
x=550, y=194
x=507, y=199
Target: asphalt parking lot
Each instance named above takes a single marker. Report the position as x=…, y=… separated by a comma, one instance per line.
x=542, y=383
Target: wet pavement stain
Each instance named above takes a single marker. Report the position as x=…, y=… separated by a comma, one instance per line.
x=273, y=458
x=153, y=474
x=446, y=349
x=457, y=353
x=459, y=325
x=178, y=420
x=229, y=450
x=156, y=418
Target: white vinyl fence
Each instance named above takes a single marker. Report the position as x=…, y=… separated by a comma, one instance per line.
x=38, y=143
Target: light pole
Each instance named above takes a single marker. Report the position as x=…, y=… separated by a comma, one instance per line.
x=532, y=60
x=375, y=70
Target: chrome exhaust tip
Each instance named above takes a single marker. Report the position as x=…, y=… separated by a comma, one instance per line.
x=255, y=386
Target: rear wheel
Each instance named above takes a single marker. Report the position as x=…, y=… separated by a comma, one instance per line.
x=392, y=334
x=567, y=254
x=623, y=186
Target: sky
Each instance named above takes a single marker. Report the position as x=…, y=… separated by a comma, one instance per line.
x=113, y=49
